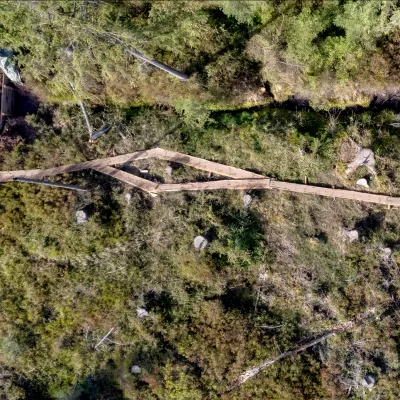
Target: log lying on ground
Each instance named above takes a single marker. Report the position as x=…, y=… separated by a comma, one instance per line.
x=257, y=369
x=52, y=184
x=155, y=63
x=360, y=319
x=111, y=38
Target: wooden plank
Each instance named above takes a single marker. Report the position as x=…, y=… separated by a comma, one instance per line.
x=247, y=184
x=52, y=184
x=130, y=179
x=205, y=165
x=6, y=176
x=337, y=193
x=255, y=182
x=7, y=100
x=237, y=184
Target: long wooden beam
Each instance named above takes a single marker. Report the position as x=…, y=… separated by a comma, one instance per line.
x=6, y=176
x=337, y=193
x=195, y=162
x=266, y=183
x=205, y=165
x=130, y=179
x=243, y=180
x=237, y=184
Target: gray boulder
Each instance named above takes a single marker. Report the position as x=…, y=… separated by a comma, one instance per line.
x=135, y=369
x=362, y=182
x=368, y=381
x=247, y=199
x=142, y=312
x=81, y=216
x=351, y=235
x=128, y=197
x=200, y=242
x=168, y=170
x=363, y=157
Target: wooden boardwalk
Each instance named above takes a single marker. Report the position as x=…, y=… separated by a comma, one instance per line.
x=240, y=179
x=7, y=103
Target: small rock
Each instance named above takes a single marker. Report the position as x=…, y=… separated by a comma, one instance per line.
x=144, y=171
x=386, y=252
x=69, y=51
x=368, y=381
x=168, y=170
x=352, y=235
x=362, y=182
x=128, y=197
x=200, y=242
x=142, y=312
x=364, y=157
x=81, y=217
x=247, y=199
x=135, y=369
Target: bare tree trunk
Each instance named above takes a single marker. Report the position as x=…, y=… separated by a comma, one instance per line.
x=86, y=115
x=113, y=39
x=257, y=369
x=160, y=65
x=339, y=328
x=104, y=338
x=53, y=184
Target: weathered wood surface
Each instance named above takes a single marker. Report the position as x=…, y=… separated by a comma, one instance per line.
x=244, y=180
x=246, y=184
x=130, y=179
x=7, y=103
x=337, y=193
x=205, y=165
x=6, y=176
x=237, y=184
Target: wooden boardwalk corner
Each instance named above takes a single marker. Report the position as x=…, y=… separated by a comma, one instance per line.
x=240, y=178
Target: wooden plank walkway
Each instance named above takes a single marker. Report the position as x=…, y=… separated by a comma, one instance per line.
x=242, y=179
x=7, y=102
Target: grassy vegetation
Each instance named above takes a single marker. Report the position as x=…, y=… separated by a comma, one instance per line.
x=233, y=50
x=274, y=275
x=281, y=263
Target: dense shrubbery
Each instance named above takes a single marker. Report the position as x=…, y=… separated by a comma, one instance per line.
x=282, y=263
x=332, y=53
x=273, y=276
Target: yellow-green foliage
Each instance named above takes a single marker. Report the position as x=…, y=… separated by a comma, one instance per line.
x=273, y=275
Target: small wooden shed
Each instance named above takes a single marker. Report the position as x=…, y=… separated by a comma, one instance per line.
x=7, y=104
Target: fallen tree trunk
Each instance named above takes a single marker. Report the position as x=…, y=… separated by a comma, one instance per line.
x=137, y=54
x=158, y=64
x=86, y=116
x=339, y=328
x=257, y=369
x=52, y=184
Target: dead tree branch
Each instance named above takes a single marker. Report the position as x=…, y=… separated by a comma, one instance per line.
x=339, y=328
x=104, y=338
x=257, y=369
